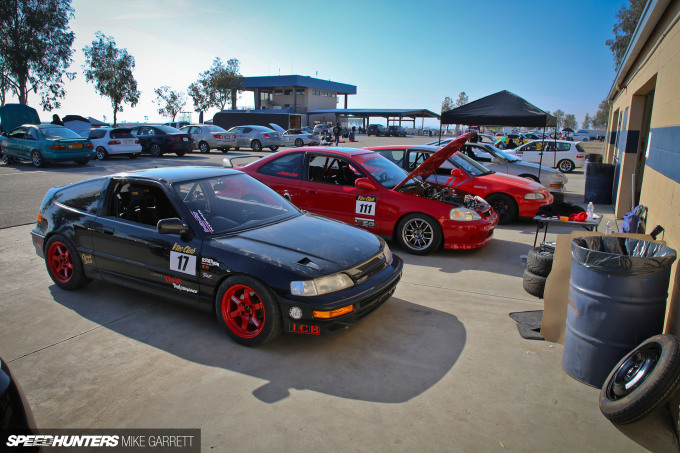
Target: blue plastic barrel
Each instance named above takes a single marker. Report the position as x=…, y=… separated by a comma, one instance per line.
x=617, y=299
x=599, y=182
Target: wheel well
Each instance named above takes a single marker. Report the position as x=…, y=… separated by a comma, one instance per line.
x=503, y=194
x=528, y=176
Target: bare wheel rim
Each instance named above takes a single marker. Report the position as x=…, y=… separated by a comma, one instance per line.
x=155, y=150
x=203, y=147
x=243, y=311
x=633, y=372
x=37, y=159
x=566, y=166
x=417, y=234
x=501, y=207
x=60, y=262
x=299, y=142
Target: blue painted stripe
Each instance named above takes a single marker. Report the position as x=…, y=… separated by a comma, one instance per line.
x=632, y=142
x=664, y=152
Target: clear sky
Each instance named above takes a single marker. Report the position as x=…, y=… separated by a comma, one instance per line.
x=399, y=54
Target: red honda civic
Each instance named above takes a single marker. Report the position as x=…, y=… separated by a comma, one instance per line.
x=362, y=188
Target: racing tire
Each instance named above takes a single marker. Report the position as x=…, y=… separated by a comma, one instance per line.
x=7, y=160
x=273, y=148
x=531, y=177
x=37, y=159
x=565, y=166
x=643, y=380
x=204, y=147
x=299, y=142
x=256, y=145
x=82, y=161
x=102, y=154
x=133, y=156
x=64, y=264
x=225, y=150
x=180, y=153
x=248, y=311
x=236, y=148
x=533, y=284
x=540, y=261
x=419, y=234
x=155, y=150
x=505, y=207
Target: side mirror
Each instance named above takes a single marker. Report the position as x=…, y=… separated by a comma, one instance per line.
x=458, y=173
x=365, y=183
x=496, y=160
x=172, y=226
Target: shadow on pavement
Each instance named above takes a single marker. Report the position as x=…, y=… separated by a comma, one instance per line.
x=397, y=353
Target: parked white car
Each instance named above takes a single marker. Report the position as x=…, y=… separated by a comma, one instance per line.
x=207, y=136
x=560, y=154
x=108, y=141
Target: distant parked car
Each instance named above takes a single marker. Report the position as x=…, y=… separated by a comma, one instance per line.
x=159, y=140
x=376, y=129
x=395, y=131
x=299, y=138
x=207, y=136
x=560, y=154
x=177, y=124
x=320, y=129
x=256, y=137
x=109, y=141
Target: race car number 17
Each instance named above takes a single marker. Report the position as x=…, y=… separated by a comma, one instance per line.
x=181, y=262
x=365, y=205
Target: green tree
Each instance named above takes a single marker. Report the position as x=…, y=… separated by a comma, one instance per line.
x=601, y=118
x=587, y=120
x=170, y=101
x=35, y=48
x=570, y=121
x=110, y=69
x=628, y=17
x=447, y=104
x=214, y=87
x=462, y=99
x=559, y=116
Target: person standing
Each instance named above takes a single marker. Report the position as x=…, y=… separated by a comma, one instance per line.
x=56, y=120
x=337, y=130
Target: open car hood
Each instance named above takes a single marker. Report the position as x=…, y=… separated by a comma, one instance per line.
x=277, y=128
x=14, y=115
x=432, y=163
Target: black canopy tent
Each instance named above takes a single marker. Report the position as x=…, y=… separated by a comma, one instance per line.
x=500, y=109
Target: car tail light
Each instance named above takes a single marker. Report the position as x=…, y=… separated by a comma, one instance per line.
x=218, y=136
x=233, y=136
x=136, y=142
x=266, y=135
x=580, y=156
x=58, y=147
x=114, y=142
x=174, y=138
x=89, y=145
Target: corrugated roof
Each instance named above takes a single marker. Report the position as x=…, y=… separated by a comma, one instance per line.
x=298, y=81
x=386, y=113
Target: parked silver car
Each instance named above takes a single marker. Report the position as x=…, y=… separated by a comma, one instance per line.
x=502, y=162
x=256, y=137
x=108, y=141
x=207, y=136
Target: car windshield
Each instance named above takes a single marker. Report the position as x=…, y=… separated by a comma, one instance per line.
x=386, y=172
x=499, y=153
x=55, y=133
x=215, y=129
x=168, y=129
x=231, y=203
x=470, y=166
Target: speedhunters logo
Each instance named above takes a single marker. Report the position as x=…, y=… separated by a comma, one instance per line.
x=112, y=440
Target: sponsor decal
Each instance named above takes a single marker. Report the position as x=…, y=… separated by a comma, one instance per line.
x=210, y=262
x=200, y=218
x=287, y=173
x=303, y=329
x=295, y=312
x=207, y=275
x=184, y=288
x=365, y=205
x=172, y=279
x=183, y=249
x=87, y=258
x=182, y=262
x=365, y=223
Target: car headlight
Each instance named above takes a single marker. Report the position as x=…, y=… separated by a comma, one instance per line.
x=321, y=285
x=464, y=214
x=388, y=253
x=534, y=196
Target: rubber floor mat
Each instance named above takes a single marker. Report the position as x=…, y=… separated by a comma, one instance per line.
x=529, y=323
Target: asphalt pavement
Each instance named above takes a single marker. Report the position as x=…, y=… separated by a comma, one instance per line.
x=439, y=367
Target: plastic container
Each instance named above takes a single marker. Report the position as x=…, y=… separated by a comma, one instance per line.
x=599, y=183
x=617, y=299
x=590, y=210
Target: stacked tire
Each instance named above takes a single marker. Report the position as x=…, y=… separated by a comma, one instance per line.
x=539, y=265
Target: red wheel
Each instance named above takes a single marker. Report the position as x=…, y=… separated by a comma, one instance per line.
x=248, y=311
x=59, y=262
x=64, y=264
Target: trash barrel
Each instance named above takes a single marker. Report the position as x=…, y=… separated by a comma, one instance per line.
x=617, y=299
x=599, y=183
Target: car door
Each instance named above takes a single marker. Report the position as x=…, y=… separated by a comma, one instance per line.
x=329, y=189
x=284, y=175
x=14, y=143
x=30, y=142
x=142, y=134
x=128, y=247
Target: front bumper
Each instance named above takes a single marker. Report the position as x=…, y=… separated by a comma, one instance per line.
x=468, y=235
x=366, y=297
x=529, y=208
x=38, y=238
